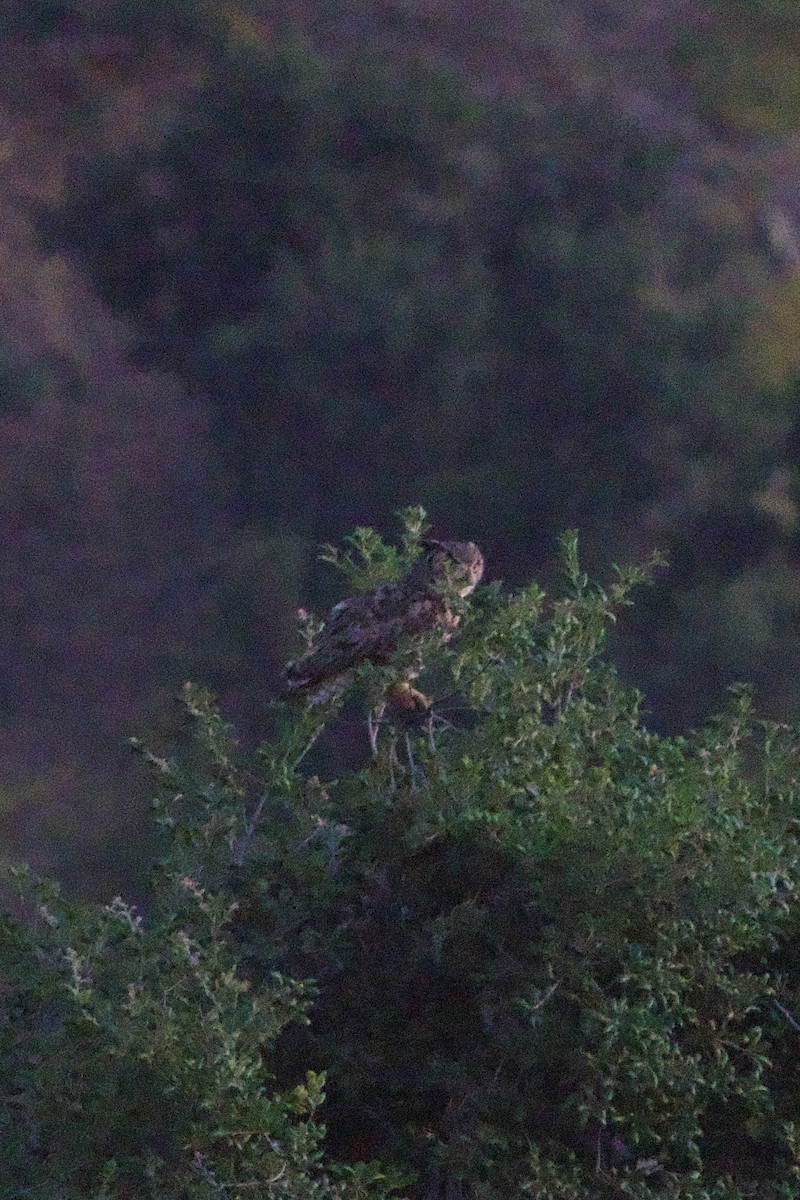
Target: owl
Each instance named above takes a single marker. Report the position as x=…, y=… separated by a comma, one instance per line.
x=370, y=627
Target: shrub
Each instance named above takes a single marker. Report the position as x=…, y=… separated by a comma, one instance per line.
x=135, y=1056
x=552, y=951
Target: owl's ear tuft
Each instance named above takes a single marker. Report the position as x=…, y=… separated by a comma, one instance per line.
x=433, y=544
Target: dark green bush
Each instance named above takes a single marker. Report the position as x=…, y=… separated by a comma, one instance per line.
x=135, y=1056
x=552, y=952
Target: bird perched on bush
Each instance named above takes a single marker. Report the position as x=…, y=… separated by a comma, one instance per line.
x=370, y=627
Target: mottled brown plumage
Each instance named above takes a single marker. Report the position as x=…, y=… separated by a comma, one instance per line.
x=370, y=627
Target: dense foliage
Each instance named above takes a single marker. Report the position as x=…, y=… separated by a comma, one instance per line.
x=136, y=1057
x=547, y=952
x=427, y=288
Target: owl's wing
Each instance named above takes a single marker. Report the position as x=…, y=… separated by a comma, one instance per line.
x=367, y=628
x=351, y=635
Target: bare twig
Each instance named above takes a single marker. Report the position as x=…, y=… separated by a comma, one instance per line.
x=785, y=1012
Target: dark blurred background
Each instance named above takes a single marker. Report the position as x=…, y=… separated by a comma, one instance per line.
x=271, y=270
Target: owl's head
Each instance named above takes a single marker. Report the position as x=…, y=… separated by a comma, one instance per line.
x=457, y=566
